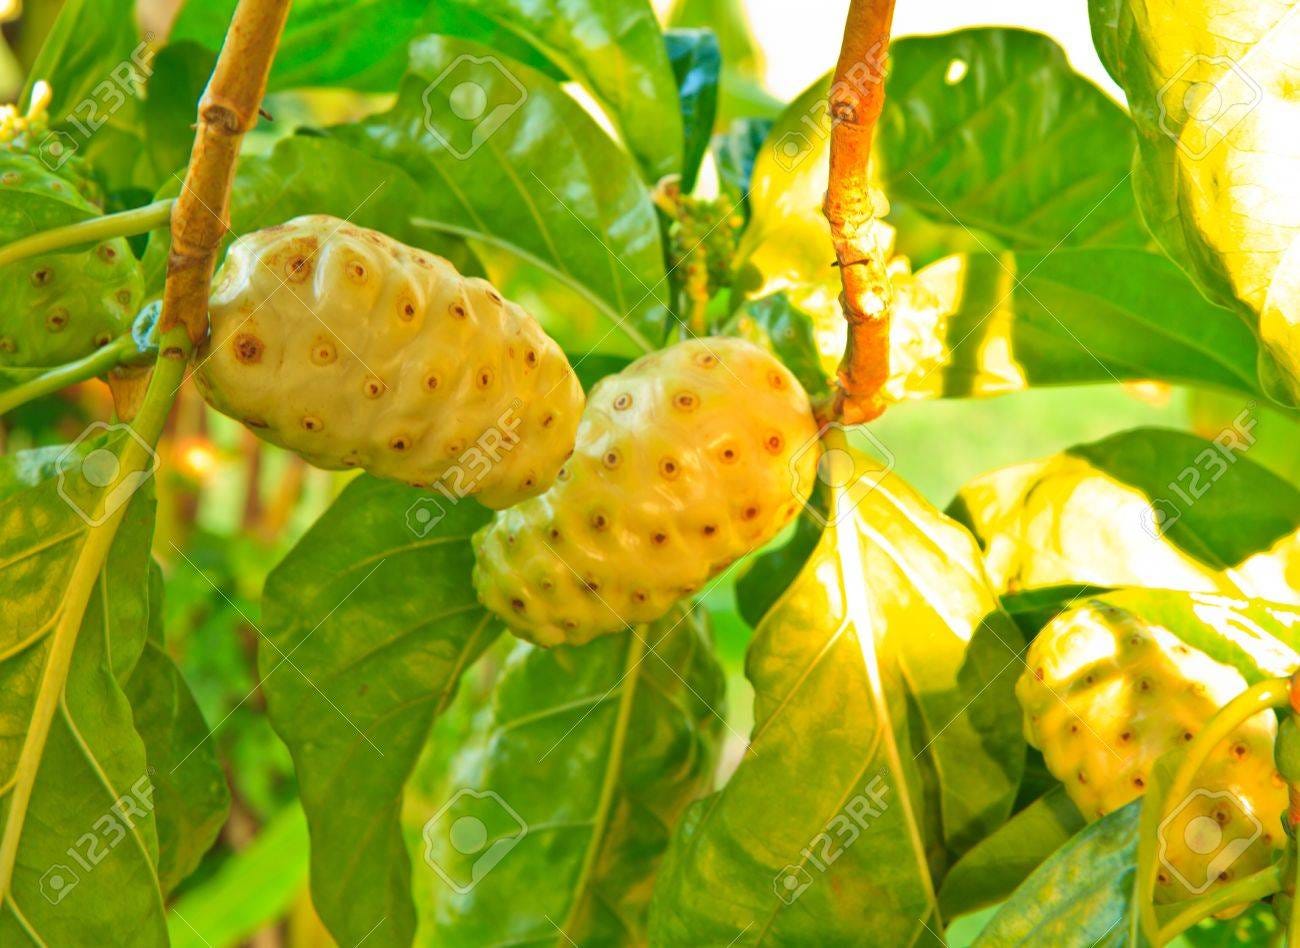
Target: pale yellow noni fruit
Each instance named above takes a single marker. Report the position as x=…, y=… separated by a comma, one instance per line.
x=686, y=460
x=354, y=350
x=1106, y=694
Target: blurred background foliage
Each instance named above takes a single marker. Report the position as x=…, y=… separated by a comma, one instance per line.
x=231, y=506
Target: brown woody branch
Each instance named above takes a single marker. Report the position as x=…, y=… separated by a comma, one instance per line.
x=227, y=112
x=856, y=101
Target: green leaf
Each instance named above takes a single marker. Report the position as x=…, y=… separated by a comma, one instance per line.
x=697, y=65
x=615, y=50
x=991, y=871
x=310, y=175
x=1078, y=898
x=250, y=891
x=180, y=74
x=325, y=42
x=766, y=580
x=90, y=39
x=1210, y=92
x=735, y=151
x=191, y=799
x=78, y=843
x=992, y=130
x=373, y=618
x=539, y=179
x=988, y=324
x=1147, y=507
x=779, y=326
x=825, y=829
x=596, y=750
x=1020, y=150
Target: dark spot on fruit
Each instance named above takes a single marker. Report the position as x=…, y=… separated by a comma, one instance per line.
x=42, y=276
x=458, y=310
x=373, y=387
x=659, y=539
x=554, y=534
x=103, y=339
x=517, y=605
x=706, y=360
x=57, y=319
x=1188, y=735
x=406, y=311
x=248, y=348
x=774, y=443
x=494, y=296
x=1083, y=778
x=611, y=459
x=623, y=402
x=710, y=529
x=1139, y=783
x=668, y=468
x=685, y=401
x=591, y=585
x=254, y=422
x=356, y=271
x=484, y=377
x=639, y=596
x=298, y=268
x=530, y=358
x=548, y=420
x=598, y=521
x=431, y=382
x=776, y=379
x=569, y=624
x=528, y=482
x=323, y=352
x=729, y=455
x=1126, y=736
x=311, y=423
x=1240, y=751
x=564, y=474
x=455, y=446
x=106, y=253
x=399, y=442
x=749, y=513
x=125, y=299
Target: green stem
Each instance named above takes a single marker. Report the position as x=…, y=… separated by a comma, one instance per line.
x=1252, y=888
x=121, y=351
x=1274, y=693
x=140, y=220
x=1293, y=923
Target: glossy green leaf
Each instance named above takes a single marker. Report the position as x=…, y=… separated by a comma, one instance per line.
x=614, y=49
x=1078, y=898
x=766, y=580
x=180, y=74
x=734, y=152
x=191, y=799
x=78, y=843
x=310, y=175
x=537, y=178
x=987, y=130
x=992, y=130
x=1209, y=86
x=697, y=65
x=1147, y=507
x=369, y=623
x=596, y=750
x=825, y=830
x=742, y=93
x=325, y=42
x=985, y=324
x=990, y=872
x=779, y=326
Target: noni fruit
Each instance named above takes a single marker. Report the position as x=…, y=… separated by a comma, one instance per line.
x=1106, y=693
x=686, y=460
x=354, y=350
x=59, y=306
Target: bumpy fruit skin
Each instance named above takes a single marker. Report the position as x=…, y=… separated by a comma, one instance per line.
x=686, y=460
x=1106, y=694
x=61, y=306
x=354, y=350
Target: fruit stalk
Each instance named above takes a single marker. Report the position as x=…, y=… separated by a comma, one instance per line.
x=121, y=351
x=139, y=220
x=227, y=111
x=856, y=100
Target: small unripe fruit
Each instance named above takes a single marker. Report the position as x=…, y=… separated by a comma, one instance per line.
x=1106, y=694
x=685, y=461
x=354, y=350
